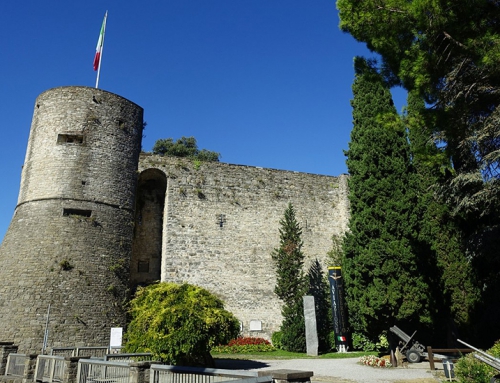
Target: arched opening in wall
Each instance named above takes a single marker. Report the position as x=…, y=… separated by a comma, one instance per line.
x=145, y=265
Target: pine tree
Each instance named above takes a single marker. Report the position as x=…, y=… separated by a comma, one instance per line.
x=291, y=284
x=383, y=275
x=439, y=233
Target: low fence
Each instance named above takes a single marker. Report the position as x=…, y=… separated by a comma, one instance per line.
x=177, y=374
x=432, y=357
x=99, y=371
x=80, y=351
x=32, y=368
x=15, y=364
x=135, y=357
x=49, y=368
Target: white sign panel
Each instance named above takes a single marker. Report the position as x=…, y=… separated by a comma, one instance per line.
x=255, y=325
x=115, y=339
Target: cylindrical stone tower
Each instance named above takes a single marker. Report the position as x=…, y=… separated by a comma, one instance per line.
x=69, y=241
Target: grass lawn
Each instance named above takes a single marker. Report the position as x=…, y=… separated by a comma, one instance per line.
x=280, y=354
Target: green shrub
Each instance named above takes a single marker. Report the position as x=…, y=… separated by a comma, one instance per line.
x=276, y=339
x=362, y=343
x=470, y=370
x=178, y=324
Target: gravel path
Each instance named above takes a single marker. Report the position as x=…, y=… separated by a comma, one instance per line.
x=339, y=370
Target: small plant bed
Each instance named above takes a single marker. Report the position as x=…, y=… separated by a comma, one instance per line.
x=245, y=345
x=375, y=361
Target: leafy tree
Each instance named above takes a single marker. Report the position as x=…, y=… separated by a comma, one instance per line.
x=383, y=274
x=184, y=147
x=291, y=284
x=178, y=324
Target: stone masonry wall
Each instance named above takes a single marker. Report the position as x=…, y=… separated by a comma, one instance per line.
x=233, y=259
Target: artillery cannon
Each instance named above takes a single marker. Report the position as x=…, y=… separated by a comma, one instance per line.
x=484, y=357
x=413, y=350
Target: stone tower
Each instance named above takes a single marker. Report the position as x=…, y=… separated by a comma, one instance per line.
x=69, y=241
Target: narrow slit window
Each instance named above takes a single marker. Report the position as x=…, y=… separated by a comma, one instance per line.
x=70, y=139
x=77, y=212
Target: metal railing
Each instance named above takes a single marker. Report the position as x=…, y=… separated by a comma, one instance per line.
x=91, y=351
x=177, y=374
x=49, y=368
x=99, y=351
x=62, y=351
x=132, y=357
x=15, y=364
x=98, y=371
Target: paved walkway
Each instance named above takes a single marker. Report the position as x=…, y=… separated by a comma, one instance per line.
x=340, y=370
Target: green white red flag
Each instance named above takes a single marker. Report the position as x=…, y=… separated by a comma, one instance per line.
x=100, y=43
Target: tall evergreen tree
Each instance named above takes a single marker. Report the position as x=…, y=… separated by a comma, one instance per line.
x=383, y=275
x=439, y=233
x=291, y=283
x=448, y=52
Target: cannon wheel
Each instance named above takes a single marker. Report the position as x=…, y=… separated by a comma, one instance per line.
x=413, y=356
x=495, y=379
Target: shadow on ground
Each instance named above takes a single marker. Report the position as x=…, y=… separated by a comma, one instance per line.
x=239, y=364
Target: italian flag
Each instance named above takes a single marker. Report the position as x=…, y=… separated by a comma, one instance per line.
x=100, y=43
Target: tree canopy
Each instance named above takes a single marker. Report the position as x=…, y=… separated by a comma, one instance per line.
x=447, y=51
x=184, y=147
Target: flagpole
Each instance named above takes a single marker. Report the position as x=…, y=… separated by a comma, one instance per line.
x=102, y=49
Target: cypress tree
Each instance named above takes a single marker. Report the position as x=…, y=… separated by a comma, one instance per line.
x=383, y=275
x=439, y=234
x=291, y=283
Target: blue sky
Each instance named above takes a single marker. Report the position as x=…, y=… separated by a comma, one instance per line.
x=264, y=82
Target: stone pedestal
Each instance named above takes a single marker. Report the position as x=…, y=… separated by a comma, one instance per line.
x=288, y=376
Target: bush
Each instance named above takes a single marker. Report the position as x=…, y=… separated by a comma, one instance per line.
x=245, y=345
x=470, y=370
x=178, y=324
x=276, y=339
x=362, y=343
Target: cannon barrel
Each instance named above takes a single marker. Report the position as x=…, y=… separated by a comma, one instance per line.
x=484, y=357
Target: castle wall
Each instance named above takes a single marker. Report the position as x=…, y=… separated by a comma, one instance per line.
x=75, y=242
x=233, y=259
x=69, y=241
